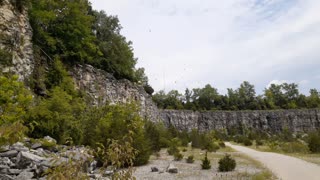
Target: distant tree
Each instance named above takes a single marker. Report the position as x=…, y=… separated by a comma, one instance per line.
x=313, y=101
x=247, y=96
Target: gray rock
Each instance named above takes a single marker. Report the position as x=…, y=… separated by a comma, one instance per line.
x=25, y=176
x=50, y=139
x=11, y=153
x=5, y=177
x=172, y=169
x=4, y=148
x=154, y=169
x=24, y=159
x=36, y=145
x=14, y=171
x=4, y=167
x=271, y=121
x=19, y=147
x=6, y=161
x=109, y=171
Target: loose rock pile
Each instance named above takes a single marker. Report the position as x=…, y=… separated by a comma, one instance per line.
x=27, y=160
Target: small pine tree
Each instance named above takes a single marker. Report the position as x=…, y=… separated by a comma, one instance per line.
x=227, y=163
x=206, y=163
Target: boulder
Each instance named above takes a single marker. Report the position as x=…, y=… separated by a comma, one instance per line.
x=19, y=147
x=50, y=139
x=5, y=177
x=14, y=171
x=11, y=153
x=24, y=159
x=36, y=145
x=25, y=175
x=4, y=148
x=154, y=169
x=172, y=169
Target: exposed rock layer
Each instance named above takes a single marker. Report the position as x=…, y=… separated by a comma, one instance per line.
x=16, y=38
x=103, y=88
x=270, y=121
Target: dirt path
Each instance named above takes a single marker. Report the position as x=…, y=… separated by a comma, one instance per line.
x=284, y=167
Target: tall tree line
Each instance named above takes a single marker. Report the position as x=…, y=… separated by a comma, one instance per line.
x=276, y=96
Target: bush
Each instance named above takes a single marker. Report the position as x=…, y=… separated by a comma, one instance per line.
x=247, y=142
x=259, y=143
x=212, y=147
x=173, y=150
x=314, y=143
x=206, y=163
x=294, y=147
x=221, y=144
x=190, y=159
x=227, y=163
x=178, y=156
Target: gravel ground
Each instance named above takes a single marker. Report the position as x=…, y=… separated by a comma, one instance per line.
x=244, y=170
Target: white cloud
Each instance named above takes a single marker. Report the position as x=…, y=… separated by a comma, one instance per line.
x=189, y=44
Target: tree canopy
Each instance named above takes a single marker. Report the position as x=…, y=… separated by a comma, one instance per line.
x=283, y=96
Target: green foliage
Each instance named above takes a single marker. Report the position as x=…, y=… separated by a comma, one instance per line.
x=178, y=156
x=68, y=33
x=14, y=104
x=5, y=58
x=205, y=163
x=247, y=142
x=70, y=169
x=259, y=142
x=227, y=164
x=58, y=116
x=12, y=133
x=114, y=122
x=173, y=148
x=283, y=96
x=190, y=159
x=314, y=142
x=294, y=147
x=153, y=134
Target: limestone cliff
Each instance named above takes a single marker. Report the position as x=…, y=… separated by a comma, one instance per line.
x=103, y=88
x=16, y=37
x=270, y=121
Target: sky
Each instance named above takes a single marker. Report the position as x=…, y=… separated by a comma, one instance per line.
x=190, y=43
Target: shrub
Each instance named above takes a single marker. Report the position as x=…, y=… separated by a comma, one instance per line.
x=227, y=163
x=173, y=150
x=184, y=150
x=259, y=143
x=314, y=143
x=190, y=159
x=294, y=147
x=247, y=142
x=212, y=147
x=206, y=163
x=178, y=156
x=221, y=144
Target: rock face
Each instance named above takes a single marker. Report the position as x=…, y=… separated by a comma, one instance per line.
x=270, y=121
x=25, y=163
x=103, y=88
x=15, y=37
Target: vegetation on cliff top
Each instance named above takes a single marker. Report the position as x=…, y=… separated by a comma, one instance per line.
x=283, y=96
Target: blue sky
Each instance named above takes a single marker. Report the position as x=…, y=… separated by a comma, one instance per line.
x=190, y=43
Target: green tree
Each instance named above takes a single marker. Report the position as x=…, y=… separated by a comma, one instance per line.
x=247, y=96
x=15, y=100
x=63, y=28
x=117, y=52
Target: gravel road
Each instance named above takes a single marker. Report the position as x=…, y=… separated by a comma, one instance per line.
x=284, y=167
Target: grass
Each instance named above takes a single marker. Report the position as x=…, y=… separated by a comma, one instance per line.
x=309, y=157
